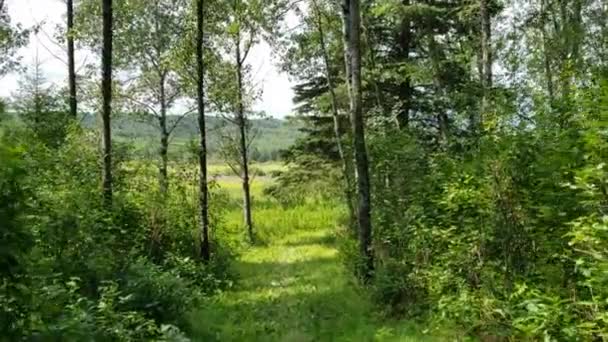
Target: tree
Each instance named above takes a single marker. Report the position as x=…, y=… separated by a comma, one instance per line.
x=71, y=60
x=203, y=187
x=153, y=38
x=353, y=59
x=106, y=88
x=11, y=39
x=41, y=108
x=486, y=74
x=247, y=21
x=338, y=130
x=486, y=43
x=243, y=31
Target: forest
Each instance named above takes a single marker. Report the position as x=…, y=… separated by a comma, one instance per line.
x=443, y=175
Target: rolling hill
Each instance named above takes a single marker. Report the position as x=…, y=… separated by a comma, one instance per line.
x=271, y=135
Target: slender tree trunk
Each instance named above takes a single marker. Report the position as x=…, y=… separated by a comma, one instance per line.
x=405, y=42
x=436, y=56
x=444, y=128
x=71, y=60
x=346, y=42
x=486, y=44
x=486, y=57
x=243, y=148
x=547, y=63
x=106, y=88
x=348, y=194
x=360, y=149
x=474, y=117
x=568, y=51
x=565, y=49
x=548, y=68
x=164, y=139
x=205, y=251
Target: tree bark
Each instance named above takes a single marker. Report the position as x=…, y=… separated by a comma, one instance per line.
x=547, y=62
x=107, y=101
x=205, y=251
x=486, y=57
x=348, y=195
x=486, y=44
x=243, y=148
x=359, y=147
x=346, y=42
x=403, y=117
x=164, y=139
x=444, y=128
x=71, y=59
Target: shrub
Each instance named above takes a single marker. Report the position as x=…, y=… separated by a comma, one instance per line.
x=72, y=269
x=163, y=296
x=16, y=241
x=64, y=314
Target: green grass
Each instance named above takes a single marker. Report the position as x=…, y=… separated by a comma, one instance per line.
x=257, y=169
x=293, y=287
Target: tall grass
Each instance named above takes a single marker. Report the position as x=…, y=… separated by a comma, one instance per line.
x=257, y=169
x=272, y=220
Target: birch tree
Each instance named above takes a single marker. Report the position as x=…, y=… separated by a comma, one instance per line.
x=352, y=22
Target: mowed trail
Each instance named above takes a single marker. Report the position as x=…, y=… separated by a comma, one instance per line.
x=295, y=289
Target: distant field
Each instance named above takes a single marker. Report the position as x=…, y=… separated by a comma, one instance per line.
x=257, y=169
x=215, y=170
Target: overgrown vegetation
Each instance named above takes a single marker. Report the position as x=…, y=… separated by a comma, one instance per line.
x=486, y=134
x=73, y=269
x=449, y=175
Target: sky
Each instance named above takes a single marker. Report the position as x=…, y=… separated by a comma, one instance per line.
x=277, y=93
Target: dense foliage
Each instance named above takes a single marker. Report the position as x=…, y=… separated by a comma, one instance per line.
x=72, y=268
x=488, y=197
x=483, y=125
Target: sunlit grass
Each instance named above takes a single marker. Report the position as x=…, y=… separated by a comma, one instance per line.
x=295, y=289
x=293, y=286
x=271, y=220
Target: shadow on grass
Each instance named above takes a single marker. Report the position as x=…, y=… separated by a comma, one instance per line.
x=265, y=275
x=307, y=300
x=317, y=316
x=295, y=290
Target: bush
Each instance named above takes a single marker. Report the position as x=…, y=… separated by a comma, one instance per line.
x=16, y=241
x=72, y=268
x=64, y=314
x=502, y=240
x=163, y=296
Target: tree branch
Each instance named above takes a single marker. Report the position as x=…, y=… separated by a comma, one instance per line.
x=179, y=119
x=141, y=103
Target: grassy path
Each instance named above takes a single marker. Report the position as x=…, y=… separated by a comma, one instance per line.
x=294, y=289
